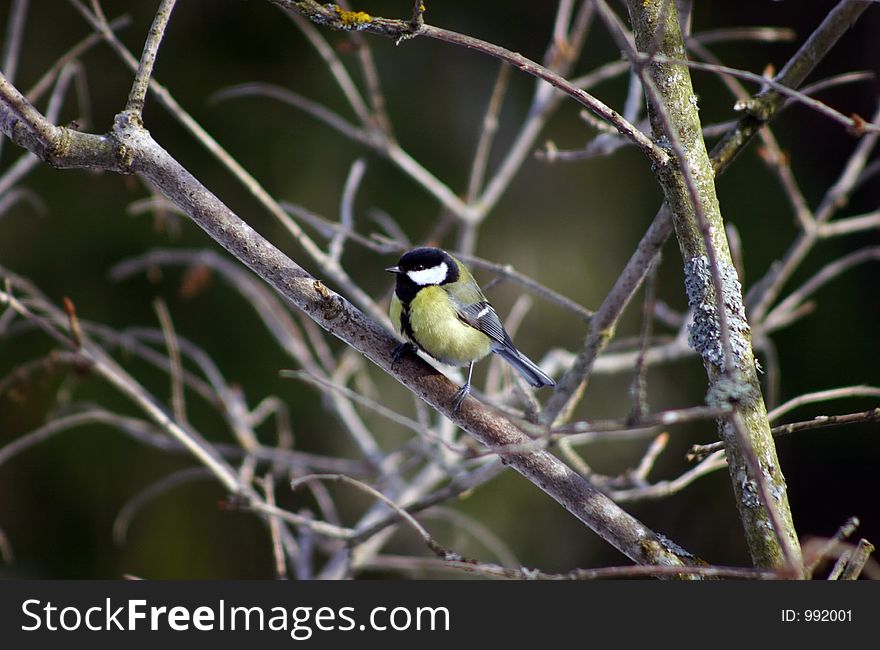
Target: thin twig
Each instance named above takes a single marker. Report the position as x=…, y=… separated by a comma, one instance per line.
x=783, y=314
x=822, y=421
x=850, y=225
x=460, y=483
x=28, y=161
x=21, y=195
x=844, y=392
x=639, y=389
x=18, y=11
x=319, y=527
x=663, y=489
x=178, y=400
x=818, y=422
x=479, y=531
x=335, y=66
x=830, y=547
x=727, y=34
x=135, y=504
x=346, y=210
x=403, y=514
x=857, y=560
x=384, y=411
x=467, y=241
x=45, y=82
x=652, y=453
x=138, y=94
x=278, y=553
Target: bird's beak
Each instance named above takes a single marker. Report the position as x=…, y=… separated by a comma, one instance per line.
x=393, y=269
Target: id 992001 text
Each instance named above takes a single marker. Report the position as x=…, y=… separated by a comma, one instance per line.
x=816, y=616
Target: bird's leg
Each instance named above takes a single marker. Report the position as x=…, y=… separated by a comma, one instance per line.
x=399, y=351
x=464, y=391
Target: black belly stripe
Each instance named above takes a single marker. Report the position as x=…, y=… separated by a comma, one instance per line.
x=406, y=326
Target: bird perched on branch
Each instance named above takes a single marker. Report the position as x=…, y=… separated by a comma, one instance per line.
x=439, y=308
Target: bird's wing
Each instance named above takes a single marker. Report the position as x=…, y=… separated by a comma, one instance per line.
x=481, y=316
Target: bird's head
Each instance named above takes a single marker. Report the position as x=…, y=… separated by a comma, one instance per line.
x=425, y=267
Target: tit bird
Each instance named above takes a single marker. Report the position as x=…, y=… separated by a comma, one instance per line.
x=438, y=307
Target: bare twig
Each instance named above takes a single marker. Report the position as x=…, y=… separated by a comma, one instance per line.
x=384, y=411
x=334, y=65
x=818, y=422
x=178, y=401
x=727, y=34
x=45, y=82
x=850, y=225
x=821, y=421
x=104, y=366
x=571, y=386
x=138, y=94
x=278, y=548
x=639, y=387
x=786, y=311
x=12, y=42
x=467, y=241
x=661, y=419
x=662, y=489
x=123, y=519
x=379, y=115
x=857, y=560
x=459, y=484
x=823, y=396
x=346, y=210
x=830, y=546
x=653, y=452
x=403, y=514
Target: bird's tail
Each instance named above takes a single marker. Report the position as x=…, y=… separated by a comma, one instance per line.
x=530, y=372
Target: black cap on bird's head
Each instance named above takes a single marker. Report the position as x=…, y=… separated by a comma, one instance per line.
x=423, y=267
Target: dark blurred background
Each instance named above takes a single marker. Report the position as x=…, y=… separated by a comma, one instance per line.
x=570, y=226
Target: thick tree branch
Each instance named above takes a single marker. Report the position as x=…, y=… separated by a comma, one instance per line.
x=720, y=333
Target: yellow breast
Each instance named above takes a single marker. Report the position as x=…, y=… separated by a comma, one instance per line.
x=437, y=329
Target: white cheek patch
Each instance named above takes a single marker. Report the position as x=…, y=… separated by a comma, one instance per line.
x=433, y=275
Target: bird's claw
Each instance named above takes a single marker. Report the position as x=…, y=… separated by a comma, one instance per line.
x=460, y=396
x=398, y=352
